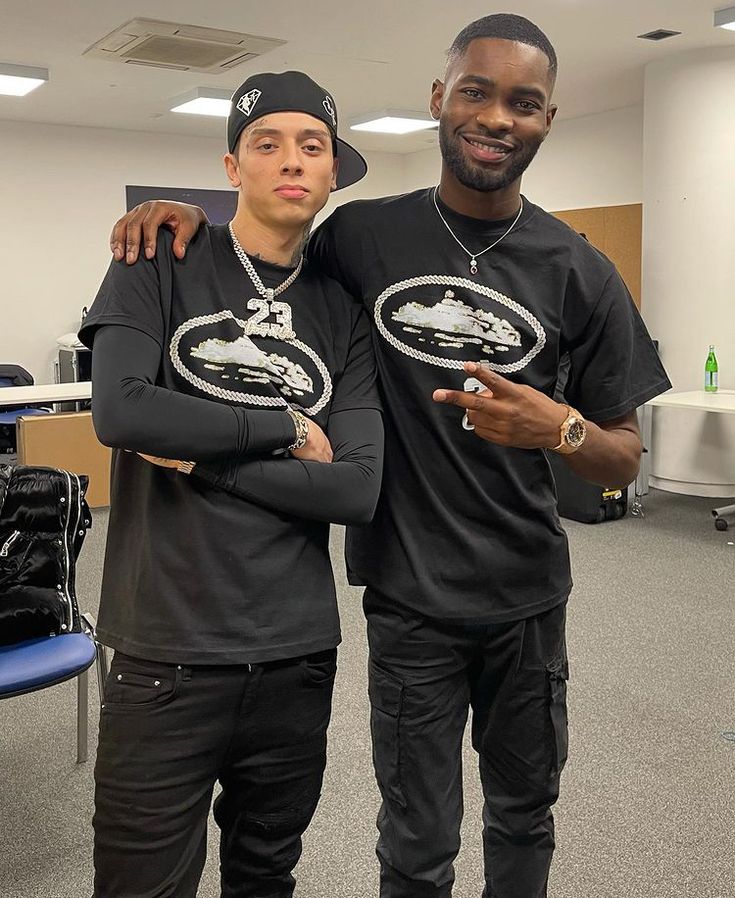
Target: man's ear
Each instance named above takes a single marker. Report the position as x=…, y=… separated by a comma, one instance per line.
x=335, y=169
x=435, y=102
x=550, y=113
x=232, y=168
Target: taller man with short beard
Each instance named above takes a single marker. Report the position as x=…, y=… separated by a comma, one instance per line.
x=476, y=295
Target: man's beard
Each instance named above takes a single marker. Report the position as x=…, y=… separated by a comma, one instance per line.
x=475, y=176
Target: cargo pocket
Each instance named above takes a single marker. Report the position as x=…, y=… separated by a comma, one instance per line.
x=557, y=672
x=386, y=701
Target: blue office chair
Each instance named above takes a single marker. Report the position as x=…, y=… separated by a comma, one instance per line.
x=44, y=639
x=38, y=663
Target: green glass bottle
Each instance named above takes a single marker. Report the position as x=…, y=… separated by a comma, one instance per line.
x=711, y=370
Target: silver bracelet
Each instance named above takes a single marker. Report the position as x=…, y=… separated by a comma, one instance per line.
x=301, y=423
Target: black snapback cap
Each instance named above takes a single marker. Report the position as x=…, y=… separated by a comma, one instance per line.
x=292, y=92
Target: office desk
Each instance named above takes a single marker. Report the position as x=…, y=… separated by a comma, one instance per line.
x=68, y=441
x=722, y=402
x=61, y=440
x=45, y=393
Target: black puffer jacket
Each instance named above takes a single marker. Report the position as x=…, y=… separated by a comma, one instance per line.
x=43, y=521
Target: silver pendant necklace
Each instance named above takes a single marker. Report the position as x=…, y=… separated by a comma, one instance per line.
x=474, y=256
x=268, y=293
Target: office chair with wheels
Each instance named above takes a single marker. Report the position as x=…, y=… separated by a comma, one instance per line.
x=724, y=517
x=44, y=640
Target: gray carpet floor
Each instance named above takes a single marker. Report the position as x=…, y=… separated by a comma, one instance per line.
x=648, y=795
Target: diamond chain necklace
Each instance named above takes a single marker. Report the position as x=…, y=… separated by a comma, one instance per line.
x=475, y=256
x=267, y=293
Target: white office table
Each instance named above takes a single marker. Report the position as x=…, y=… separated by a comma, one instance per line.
x=722, y=402
x=39, y=394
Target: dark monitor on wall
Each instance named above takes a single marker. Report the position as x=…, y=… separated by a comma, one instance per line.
x=219, y=205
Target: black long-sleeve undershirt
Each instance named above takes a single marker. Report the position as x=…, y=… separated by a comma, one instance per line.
x=130, y=412
x=227, y=442
x=343, y=492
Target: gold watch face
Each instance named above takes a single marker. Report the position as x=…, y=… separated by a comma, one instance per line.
x=576, y=432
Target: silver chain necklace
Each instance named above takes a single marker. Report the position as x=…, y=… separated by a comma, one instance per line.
x=268, y=293
x=475, y=256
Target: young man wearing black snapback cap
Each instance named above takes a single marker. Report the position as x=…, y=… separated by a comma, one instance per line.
x=466, y=563
x=248, y=364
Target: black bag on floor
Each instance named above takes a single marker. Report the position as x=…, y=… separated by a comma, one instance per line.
x=582, y=501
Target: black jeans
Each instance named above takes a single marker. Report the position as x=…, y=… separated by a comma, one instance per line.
x=424, y=675
x=167, y=733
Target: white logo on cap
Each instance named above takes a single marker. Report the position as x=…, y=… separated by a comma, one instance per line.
x=247, y=101
x=329, y=106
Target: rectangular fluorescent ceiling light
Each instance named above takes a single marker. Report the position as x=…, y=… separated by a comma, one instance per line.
x=725, y=18
x=392, y=121
x=204, y=101
x=19, y=80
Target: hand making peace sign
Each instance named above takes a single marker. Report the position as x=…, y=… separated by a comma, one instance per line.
x=507, y=413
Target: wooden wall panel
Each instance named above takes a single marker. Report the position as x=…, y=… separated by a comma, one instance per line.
x=617, y=231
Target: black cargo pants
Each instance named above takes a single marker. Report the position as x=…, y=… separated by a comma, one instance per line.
x=424, y=675
x=168, y=733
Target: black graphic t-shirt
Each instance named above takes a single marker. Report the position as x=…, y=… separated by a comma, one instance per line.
x=192, y=573
x=466, y=529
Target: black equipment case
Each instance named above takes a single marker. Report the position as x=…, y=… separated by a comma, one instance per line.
x=583, y=501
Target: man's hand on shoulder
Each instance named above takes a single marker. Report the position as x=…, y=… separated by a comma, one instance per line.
x=143, y=222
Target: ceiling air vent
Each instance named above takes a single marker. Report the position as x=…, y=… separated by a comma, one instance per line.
x=659, y=35
x=187, y=48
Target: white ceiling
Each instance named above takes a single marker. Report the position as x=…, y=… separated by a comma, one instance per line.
x=371, y=55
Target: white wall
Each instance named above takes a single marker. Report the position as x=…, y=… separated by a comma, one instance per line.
x=62, y=188
x=689, y=263
x=586, y=162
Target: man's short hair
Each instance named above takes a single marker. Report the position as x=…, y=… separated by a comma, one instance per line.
x=505, y=26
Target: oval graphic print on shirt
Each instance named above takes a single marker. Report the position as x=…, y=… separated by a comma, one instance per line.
x=253, y=361
x=447, y=321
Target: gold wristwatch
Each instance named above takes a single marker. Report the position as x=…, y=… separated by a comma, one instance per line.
x=185, y=467
x=572, y=433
